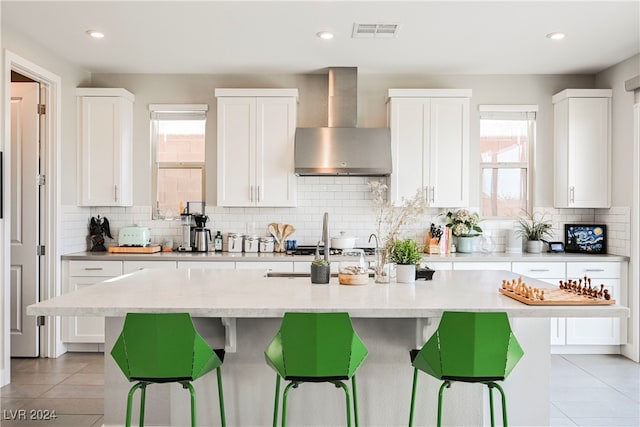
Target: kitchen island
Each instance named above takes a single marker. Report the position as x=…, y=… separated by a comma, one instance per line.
x=242, y=310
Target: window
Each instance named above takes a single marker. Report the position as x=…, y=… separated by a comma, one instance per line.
x=507, y=139
x=178, y=150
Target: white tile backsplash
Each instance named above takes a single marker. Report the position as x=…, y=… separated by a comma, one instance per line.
x=348, y=202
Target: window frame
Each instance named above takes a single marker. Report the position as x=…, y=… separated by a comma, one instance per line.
x=156, y=166
x=511, y=112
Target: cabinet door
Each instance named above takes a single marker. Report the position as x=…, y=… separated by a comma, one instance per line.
x=236, y=151
x=275, y=177
x=132, y=266
x=283, y=267
x=448, y=155
x=83, y=329
x=596, y=331
x=589, y=152
x=408, y=118
x=105, y=136
x=482, y=265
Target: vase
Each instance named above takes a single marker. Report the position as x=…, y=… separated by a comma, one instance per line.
x=406, y=273
x=381, y=269
x=320, y=274
x=465, y=244
x=534, y=246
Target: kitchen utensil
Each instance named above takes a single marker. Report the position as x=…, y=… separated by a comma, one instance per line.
x=343, y=241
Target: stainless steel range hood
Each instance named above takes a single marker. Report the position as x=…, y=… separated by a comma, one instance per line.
x=342, y=148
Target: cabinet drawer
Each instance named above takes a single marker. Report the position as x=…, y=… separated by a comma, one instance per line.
x=220, y=265
x=482, y=265
x=95, y=268
x=546, y=270
x=283, y=267
x=576, y=270
x=131, y=266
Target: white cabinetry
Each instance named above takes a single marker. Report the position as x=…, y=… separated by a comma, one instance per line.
x=430, y=145
x=603, y=331
x=105, y=133
x=256, y=129
x=80, y=274
x=550, y=272
x=133, y=266
x=582, y=148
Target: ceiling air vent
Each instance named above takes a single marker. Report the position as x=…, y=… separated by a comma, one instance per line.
x=378, y=31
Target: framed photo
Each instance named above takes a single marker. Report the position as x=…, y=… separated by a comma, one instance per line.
x=585, y=238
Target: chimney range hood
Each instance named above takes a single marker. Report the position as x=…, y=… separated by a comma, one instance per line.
x=342, y=148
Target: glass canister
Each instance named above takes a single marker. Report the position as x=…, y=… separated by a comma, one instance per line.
x=234, y=242
x=251, y=244
x=352, y=269
x=266, y=244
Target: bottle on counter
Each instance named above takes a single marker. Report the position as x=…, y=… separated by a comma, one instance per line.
x=217, y=242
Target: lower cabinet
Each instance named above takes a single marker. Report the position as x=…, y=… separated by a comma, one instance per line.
x=280, y=267
x=80, y=274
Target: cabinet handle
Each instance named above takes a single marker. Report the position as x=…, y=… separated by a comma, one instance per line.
x=251, y=193
x=572, y=194
x=115, y=192
x=594, y=270
x=433, y=194
x=93, y=268
x=259, y=194
x=539, y=269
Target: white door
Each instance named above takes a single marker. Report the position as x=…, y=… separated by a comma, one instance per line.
x=25, y=219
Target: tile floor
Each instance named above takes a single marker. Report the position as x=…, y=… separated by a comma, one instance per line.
x=586, y=390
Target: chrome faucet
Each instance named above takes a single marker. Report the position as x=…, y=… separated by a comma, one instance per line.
x=325, y=235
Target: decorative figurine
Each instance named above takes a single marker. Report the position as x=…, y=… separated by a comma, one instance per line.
x=98, y=227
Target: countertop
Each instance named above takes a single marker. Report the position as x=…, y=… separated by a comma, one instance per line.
x=249, y=294
x=283, y=257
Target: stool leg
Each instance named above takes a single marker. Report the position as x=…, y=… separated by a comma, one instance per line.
x=413, y=396
x=284, y=401
x=348, y=402
x=143, y=399
x=192, y=392
x=444, y=385
x=223, y=418
x=132, y=390
x=504, y=404
x=275, y=405
x=490, y=385
x=355, y=400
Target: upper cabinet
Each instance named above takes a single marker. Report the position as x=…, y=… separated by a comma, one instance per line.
x=105, y=133
x=256, y=130
x=582, y=148
x=430, y=145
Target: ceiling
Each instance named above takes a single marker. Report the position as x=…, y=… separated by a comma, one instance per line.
x=445, y=37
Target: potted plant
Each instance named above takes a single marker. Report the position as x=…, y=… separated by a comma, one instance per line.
x=406, y=254
x=320, y=271
x=464, y=226
x=534, y=229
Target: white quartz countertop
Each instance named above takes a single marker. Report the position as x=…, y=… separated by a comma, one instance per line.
x=249, y=294
x=283, y=257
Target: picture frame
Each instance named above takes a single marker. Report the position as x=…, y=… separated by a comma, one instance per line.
x=585, y=238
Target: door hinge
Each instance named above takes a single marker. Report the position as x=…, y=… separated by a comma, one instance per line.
x=40, y=321
x=42, y=109
x=40, y=250
x=41, y=180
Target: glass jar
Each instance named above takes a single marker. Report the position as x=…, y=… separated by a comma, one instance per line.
x=266, y=244
x=352, y=269
x=382, y=268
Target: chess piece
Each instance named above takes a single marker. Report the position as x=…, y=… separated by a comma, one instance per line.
x=607, y=296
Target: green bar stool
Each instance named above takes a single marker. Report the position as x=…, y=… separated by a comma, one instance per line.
x=163, y=348
x=468, y=347
x=315, y=347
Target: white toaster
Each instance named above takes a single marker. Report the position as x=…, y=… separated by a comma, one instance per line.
x=134, y=236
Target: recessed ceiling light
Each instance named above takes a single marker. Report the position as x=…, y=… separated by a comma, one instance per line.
x=325, y=35
x=95, y=34
x=556, y=35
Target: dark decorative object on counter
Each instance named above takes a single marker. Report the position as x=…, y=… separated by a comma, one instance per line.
x=320, y=271
x=585, y=238
x=424, y=273
x=98, y=228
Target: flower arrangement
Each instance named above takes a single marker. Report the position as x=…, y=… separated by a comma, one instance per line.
x=390, y=218
x=464, y=223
